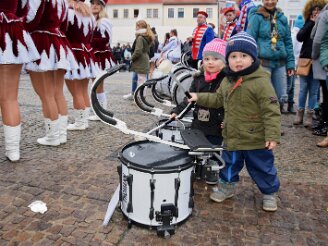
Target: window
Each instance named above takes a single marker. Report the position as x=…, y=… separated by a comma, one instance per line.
x=115, y=13
x=135, y=13
x=180, y=12
x=155, y=13
x=126, y=13
x=170, y=13
x=194, y=12
x=149, y=13
x=209, y=11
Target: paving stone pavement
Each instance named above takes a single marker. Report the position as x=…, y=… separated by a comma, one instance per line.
x=77, y=180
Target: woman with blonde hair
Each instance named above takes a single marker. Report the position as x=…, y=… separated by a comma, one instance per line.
x=102, y=37
x=140, y=55
x=309, y=86
x=81, y=24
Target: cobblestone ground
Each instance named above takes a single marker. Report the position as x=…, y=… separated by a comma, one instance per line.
x=77, y=180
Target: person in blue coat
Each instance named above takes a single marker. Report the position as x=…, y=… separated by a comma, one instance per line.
x=269, y=27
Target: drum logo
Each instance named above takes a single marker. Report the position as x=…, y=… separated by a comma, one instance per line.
x=124, y=189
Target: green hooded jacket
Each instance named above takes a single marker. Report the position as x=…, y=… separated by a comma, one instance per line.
x=140, y=56
x=251, y=111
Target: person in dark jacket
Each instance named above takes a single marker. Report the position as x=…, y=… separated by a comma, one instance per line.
x=209, y=78
x=308, y=85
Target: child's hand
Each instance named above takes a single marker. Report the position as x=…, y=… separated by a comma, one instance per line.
x=270, y=145
x=193, y=97
x=173, y=116
x=222, y=125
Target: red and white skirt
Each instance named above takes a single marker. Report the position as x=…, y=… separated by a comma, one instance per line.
x=105, y=59
x=87, y=66
x=55, y=52
x=16, y=44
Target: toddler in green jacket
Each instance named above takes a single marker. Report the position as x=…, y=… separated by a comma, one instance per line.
x=251, y=123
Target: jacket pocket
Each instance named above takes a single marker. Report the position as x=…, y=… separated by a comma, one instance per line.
x=252, y=132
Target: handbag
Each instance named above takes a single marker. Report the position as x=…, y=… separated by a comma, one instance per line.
x=303, y=66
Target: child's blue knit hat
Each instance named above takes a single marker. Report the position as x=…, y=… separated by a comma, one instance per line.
x=242, y=42
x=299, y=22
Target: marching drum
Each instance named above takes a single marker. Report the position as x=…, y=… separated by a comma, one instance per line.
x=171, y=132
x=168, y=87
x=177, y=93
x=156, y=184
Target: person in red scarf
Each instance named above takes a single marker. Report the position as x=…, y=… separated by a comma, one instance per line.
x=201, y=35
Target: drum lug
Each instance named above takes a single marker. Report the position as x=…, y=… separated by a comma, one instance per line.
x=191, y=193
x=152, y=196
x=129, y=179
x=119, y=170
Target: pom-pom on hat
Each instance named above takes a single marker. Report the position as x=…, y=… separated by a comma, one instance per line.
x=242, y=42
x=202, y=13
x=299, y=22
x=216, y=48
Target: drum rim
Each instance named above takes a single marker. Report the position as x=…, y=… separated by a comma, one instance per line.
x=154, y=170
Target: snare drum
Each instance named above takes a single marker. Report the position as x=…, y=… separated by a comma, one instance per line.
x=171, y=132
x=156, y=180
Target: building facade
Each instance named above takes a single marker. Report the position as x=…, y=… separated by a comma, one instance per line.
x=165, y=15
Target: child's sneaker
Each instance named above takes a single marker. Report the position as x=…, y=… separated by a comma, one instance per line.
x=224, y=191
x=270, y=202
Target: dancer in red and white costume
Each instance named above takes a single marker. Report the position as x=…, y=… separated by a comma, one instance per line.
x=47, y=23
x=101, y=43
x=16, y=48
x=81, y=25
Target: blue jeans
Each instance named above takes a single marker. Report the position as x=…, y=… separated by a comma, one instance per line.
x=259, y=164
x=310, y=86
x=290, y=88
x=279, y=82
x=135, y=79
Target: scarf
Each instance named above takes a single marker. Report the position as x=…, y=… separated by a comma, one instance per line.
x=233, y=76
x=210, y=76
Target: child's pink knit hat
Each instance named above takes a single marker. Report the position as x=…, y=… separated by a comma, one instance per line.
x=216, y=48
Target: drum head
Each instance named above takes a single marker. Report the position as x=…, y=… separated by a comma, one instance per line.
x=154, y=157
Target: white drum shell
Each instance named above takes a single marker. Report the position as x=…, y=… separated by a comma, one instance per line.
x=164, y=193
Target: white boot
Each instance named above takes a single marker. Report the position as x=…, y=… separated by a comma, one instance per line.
x=86, y=117
x=12, y=139
x=62, y=128
x=93, y=116
x=52, y=133
x=79, y=123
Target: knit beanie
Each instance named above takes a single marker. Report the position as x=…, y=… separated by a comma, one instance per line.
x=242, y=42
x=215, y=48
x=299, y=22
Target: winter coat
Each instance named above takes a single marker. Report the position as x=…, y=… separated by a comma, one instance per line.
x=140, y=55
x=304, y=35
x=213, y=126
x=251, y=111
x=259, y=26
x=320, y=40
